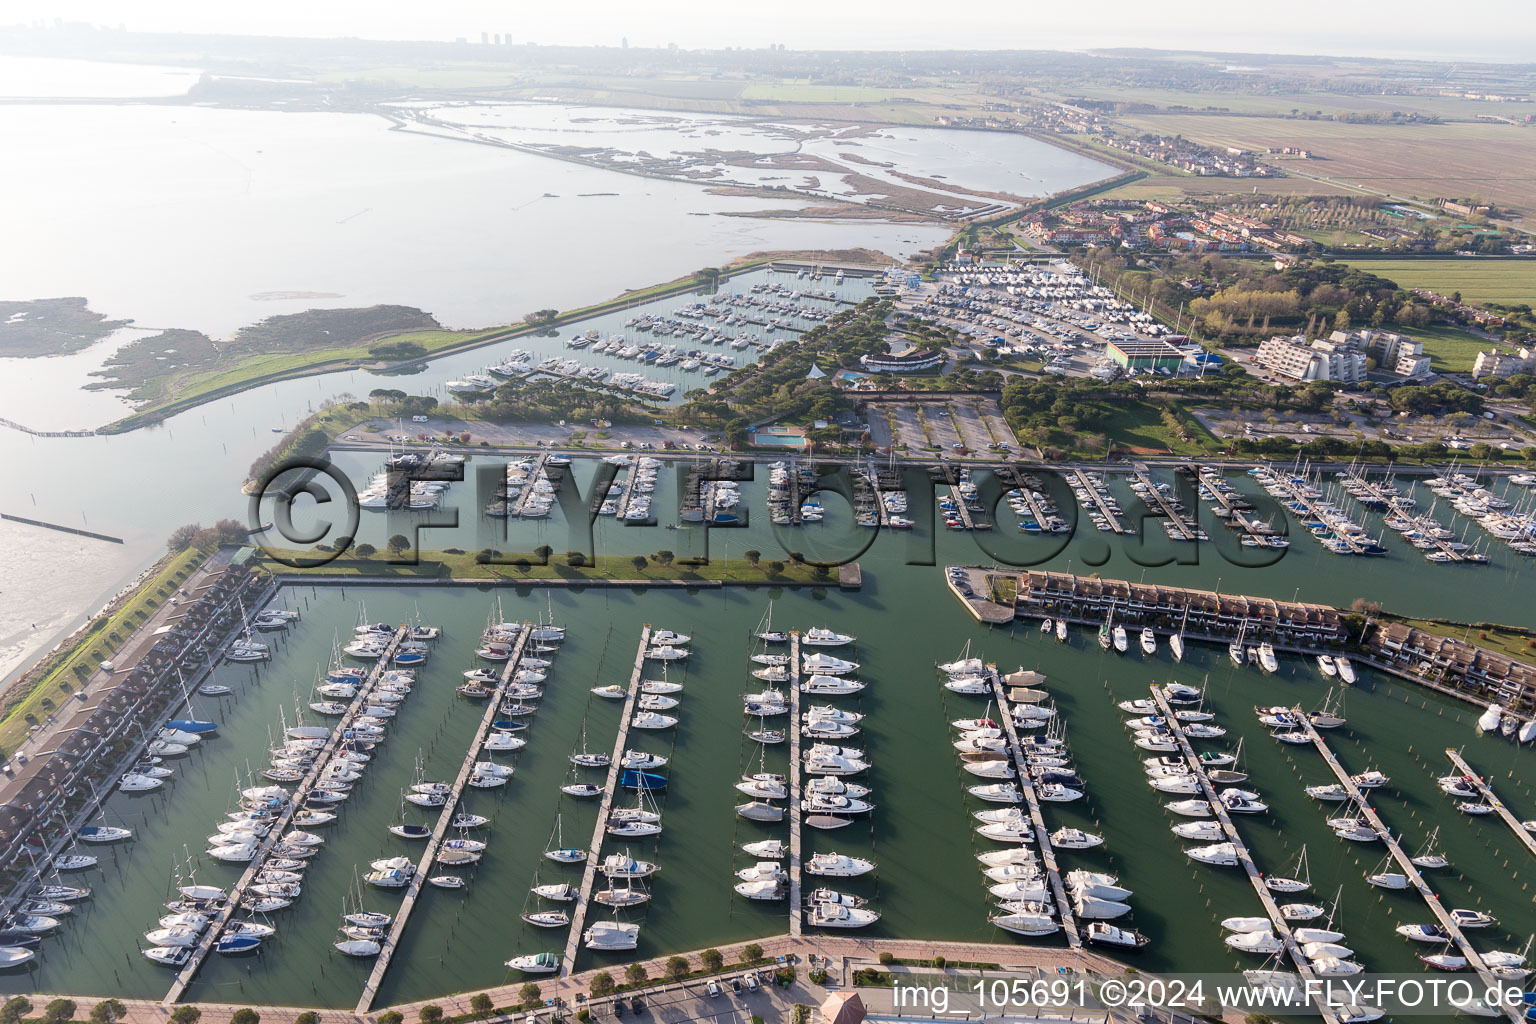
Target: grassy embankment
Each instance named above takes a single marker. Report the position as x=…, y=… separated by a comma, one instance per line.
x=33, y=696
x=256, y=370
x=620, y=568
x=1512, y=641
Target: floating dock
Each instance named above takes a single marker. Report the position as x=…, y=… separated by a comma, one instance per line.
x=1095, y=493
x=515, y=509
x=1282, y=927
x=1179, y=525
x=440, y=830
x=1405, y=864
x=1492, y=800
x=796, y=774
x=1042, y=836
x=1297, y=493
x=216, y=927
x=610, y=788
x=960, y=507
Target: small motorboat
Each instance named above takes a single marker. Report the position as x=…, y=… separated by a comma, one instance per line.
x=446, y=881
x=536, y=963
x=170, y=956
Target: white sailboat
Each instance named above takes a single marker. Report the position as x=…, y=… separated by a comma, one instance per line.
x=1176, y=642
x=560, y=854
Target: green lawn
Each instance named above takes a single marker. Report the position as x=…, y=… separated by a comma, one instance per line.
x=1140, y=425
x=1451, y=350
x=1512, y=642
x=1509, y=282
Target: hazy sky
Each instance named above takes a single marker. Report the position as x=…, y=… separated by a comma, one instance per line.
x=1469, y=30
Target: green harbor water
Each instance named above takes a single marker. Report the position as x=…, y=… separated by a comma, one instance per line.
x=928, y=884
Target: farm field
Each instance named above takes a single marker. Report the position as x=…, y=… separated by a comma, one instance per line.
x=1283, y=103
x=1488, y=160
x=1509, y=282
x=1175, y=186
x=806, y=92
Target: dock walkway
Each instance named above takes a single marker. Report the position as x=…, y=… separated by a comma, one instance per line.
x=1297, y=492
x=1245, y=858
x=440, y=830
x=1384, y=498
x=1042, y=836
x=1179, y=525
x=216, y=927
x=1492, y=800
x=599, y=830
x=1093, y=491
x=1032, y=499
x=796, y=773
x=534, y=476
x=1404, y=862
x=1225, y=505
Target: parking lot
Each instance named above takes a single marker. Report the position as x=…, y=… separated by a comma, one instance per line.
x=972, y=424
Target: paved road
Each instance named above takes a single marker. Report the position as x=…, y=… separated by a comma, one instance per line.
x=690, y=1001
x=47, y=734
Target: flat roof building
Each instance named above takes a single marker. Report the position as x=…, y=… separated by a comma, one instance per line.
x=911, y=361
x=1145, y=355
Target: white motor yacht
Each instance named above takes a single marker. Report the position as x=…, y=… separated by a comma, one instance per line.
x=838, y=865
x=611, y=936
x=1075, y=839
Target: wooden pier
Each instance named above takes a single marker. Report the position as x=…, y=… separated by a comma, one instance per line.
x=1271, y=908
x=621, y=504
x=599, y=830
x=960, y=509
x=1492, y=800
x=535, y=474
x=1042, y=836
x=274, y=836
x=1381, y=497
x=1179, y=526
x=1099, y=500
x=796, y=497
x=1404, y=862
x=1032, y=499
x=796, y=774
x=440, y=830
x=1297, y=493
x=1235, y=518
x=62, y=529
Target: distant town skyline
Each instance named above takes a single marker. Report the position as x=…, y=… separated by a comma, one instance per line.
x=1478, y=30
